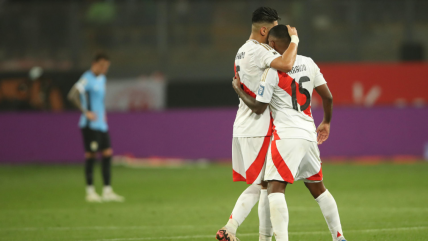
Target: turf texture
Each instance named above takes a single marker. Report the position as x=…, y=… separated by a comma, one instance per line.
x=376, y=202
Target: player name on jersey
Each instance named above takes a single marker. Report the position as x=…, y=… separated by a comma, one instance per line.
x=297, y=69
x=240, y=55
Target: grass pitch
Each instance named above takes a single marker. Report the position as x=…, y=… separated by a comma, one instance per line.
x=376, y=202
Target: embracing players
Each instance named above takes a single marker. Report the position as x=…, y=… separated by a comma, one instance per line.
x=88, y=95
x=252, y=132
x=293, y=154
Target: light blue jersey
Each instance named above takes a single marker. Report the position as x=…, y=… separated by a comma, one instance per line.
x=92, y=92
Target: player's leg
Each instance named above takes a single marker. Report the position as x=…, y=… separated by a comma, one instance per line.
x=90, y=145
x=280, y=172
x=91, y=194
x=328, y=208
x=90, y=158
x=265, y=225
x=278, y=209
x=107, y=153
x=106, y=166
x=312, y=165
x=246, y=201
x=248, y=159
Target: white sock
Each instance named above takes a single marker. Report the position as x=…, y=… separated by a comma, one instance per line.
x=331, y=214
x=107, y=189
x=90, y=189
x=243, y=207
x=265, y=226
x=279, y=216
x=232, y=225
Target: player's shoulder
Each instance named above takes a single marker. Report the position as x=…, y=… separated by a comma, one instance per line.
x=305, y=61
x=103, y=78
x=270, y=74
x=87, y=75
x=302, y=58
x=83, y=79
x=254, y=45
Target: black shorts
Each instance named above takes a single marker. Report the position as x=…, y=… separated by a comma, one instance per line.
x=94, y=140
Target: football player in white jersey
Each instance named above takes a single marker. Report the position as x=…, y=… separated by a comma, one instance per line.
x=293, y=154
x=252, y=132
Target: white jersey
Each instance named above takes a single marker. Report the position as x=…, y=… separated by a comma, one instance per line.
x=251, y=61
x=289, y=95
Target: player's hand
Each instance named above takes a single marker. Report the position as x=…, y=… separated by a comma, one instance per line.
x=236, y=82
x=292, y=30
x=323, y=131
x=90, y=115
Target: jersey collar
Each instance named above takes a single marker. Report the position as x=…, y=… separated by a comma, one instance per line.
x=253, y=40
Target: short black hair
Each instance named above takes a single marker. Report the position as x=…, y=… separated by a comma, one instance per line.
x=100, y=56
x=280, y=32
x=265, y=15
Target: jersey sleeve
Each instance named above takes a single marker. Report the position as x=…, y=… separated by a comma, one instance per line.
x=319, y=78
x=264, y=55
x=82, y=85
x=267, y=85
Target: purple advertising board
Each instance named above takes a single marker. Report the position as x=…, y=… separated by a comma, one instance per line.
x=204, y=133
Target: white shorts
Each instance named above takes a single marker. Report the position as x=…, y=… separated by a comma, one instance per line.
x=291, y=160
x=249, y=158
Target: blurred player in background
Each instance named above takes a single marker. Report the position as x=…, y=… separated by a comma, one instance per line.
x=88, y=95
x=252, y=132
x=294, y=154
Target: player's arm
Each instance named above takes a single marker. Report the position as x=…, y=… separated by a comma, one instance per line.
x=323, y=129
x=76, y=97
x=256, y=106
x=286, y=61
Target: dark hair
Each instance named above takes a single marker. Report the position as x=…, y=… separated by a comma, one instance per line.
x=280, y=32
x=265, y=15
x=100, y=56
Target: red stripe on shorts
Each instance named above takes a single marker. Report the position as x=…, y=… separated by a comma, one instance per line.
x=238, y=177
x=256, y=167
x=279, y=163
x=316, y=177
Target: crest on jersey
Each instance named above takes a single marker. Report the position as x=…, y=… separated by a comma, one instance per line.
x=261, y=90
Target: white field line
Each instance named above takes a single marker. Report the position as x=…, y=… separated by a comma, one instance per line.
x=255, y=234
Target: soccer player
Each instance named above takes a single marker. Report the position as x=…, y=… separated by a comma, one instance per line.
x=88, y=95
x=294, y=154
x=251, y=132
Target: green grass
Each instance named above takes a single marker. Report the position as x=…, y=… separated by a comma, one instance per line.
x=47, y=203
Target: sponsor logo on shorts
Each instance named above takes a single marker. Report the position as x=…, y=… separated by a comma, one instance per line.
x=94, y=146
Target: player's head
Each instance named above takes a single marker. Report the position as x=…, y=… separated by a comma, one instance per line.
x=264, y=18
x=100, y=64
x=278, y=38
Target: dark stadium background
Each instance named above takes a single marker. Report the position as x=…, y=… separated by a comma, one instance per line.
x=171, y=110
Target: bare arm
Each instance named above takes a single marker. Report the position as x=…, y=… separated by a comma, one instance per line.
x=323, y=129
x=256, y=106
x=286, y=61
x=74, y=97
